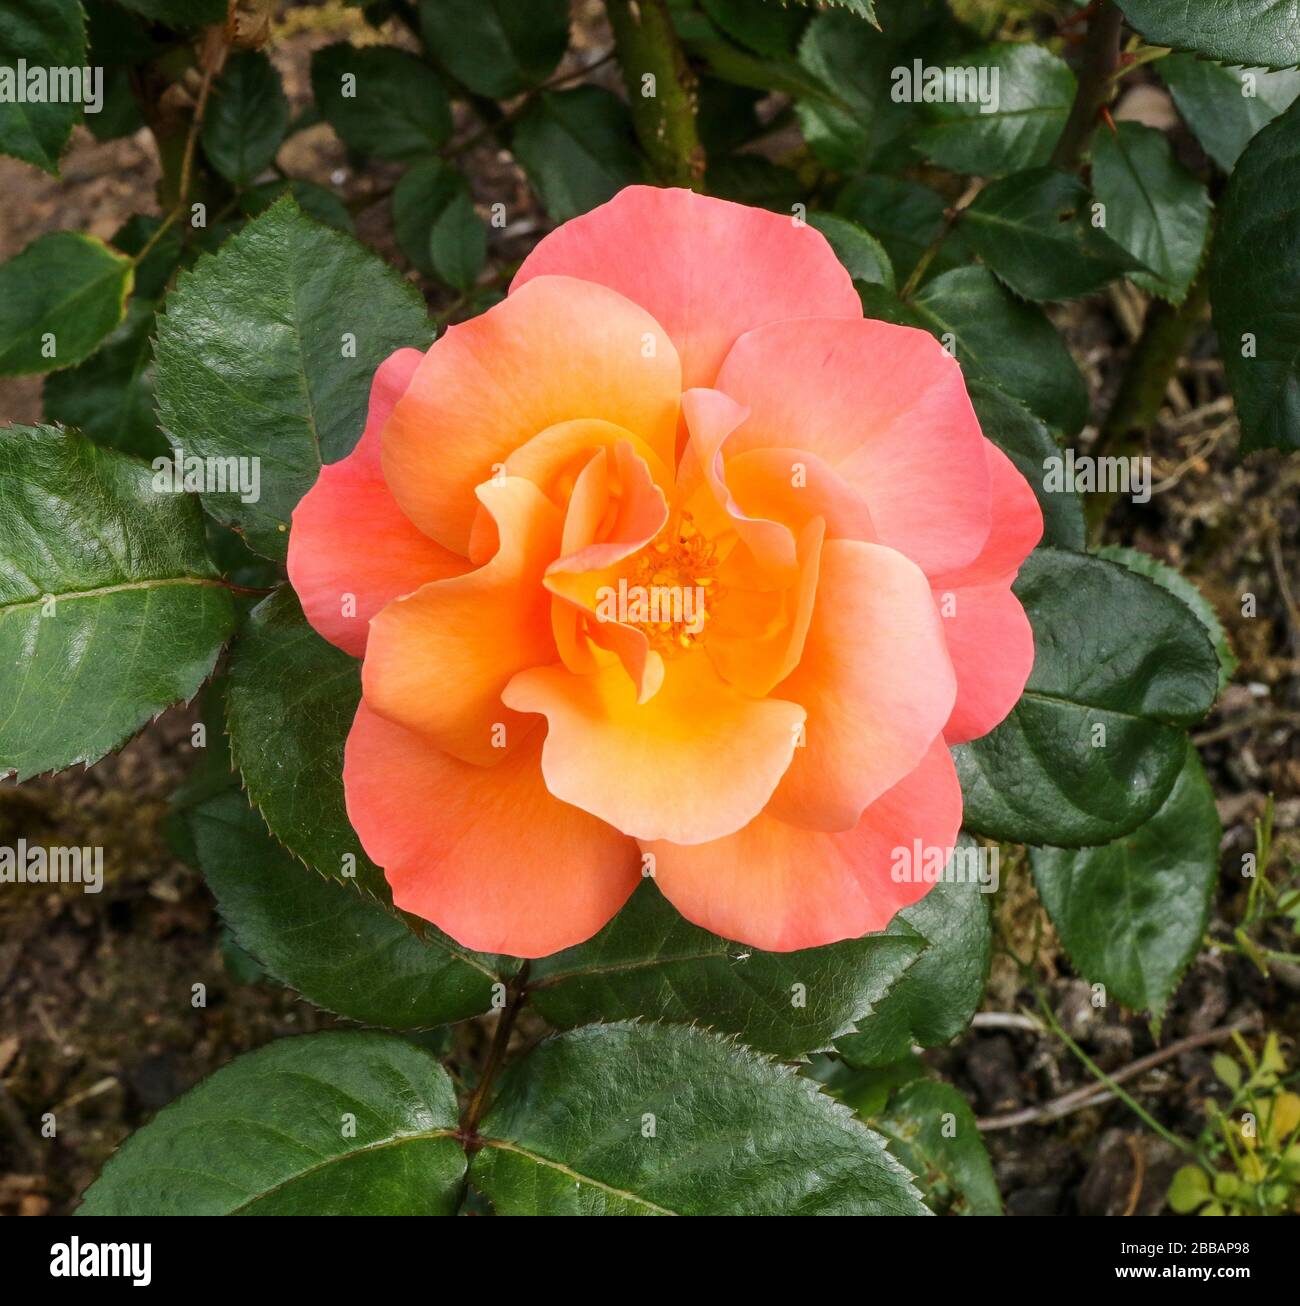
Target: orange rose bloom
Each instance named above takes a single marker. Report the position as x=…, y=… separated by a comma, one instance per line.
x=669, y=560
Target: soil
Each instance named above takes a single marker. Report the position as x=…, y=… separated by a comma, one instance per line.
x=99, y=1022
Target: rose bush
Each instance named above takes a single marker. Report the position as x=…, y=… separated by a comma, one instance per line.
x=660, y=618
x=679, y=392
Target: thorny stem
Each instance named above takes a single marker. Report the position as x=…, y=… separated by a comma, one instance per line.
x=663, y=111
x=1151, y=366
x=1100, y=55
x=516, y=996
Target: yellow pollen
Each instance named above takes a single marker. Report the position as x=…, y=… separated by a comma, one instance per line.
x=675, y=572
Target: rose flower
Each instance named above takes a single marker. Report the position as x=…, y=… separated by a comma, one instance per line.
x=670, y=562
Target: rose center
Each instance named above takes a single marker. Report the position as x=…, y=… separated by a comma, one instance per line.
x=671, y=588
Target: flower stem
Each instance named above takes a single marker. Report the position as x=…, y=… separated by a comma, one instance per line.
x=1141, y=394
x=661, y=89
x=1100, y=55
x=516, y=996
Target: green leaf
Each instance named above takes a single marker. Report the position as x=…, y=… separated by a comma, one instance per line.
x=905, y=217
x=381, y=101
x=289, y=708
x=861, y=253
x=496, y=48
x=751, y=179
x=117, y=36
x=247, y=118
x=1225, y=106
x=650, y=961
x=1255, y=283
x=766, y=29
x=1029, y=444
x=577, y=149
x=340, y=950
x=942, y=990
x=109, y=607
x=1132, y=913
x=43, y=34
x=1263, y=32
x=119, y=115
x=1035, y=230
x=932, y=1130
x=643, y=1119
x=1034, y=92
x=1190, y=1189
x=726, y=115
x=59, y=298
x=252, y=358
x=328, y=1124
x=737, y=67
x=315, y=201
x=1226, y=1070
x=853, y=61
x=1155, y=208
x=998, y=339
x=1179, y=585
x=861, y=8
x=180, y=13
x=458, y=243
x=1096, y=742
x=419, y=199
x=109, y=397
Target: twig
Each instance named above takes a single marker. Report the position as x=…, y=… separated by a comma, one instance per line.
x=1093, y=1094
x=950, y=218
x=516, y=996
x=1139, y=1174
x=1284, y=585
x=216, y=46
x=1252, y=721
x=1007, y=1020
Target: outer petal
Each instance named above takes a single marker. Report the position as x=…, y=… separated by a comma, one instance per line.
x=991, y=645
x=707, y=269
x=486, y=855
x=349, y=537
x=557, y=351
x=777, y=887
x=1017, y=526
x=989, y=637
x=877, y=682
x=887, y=408
x=439, y=658
x=696, y=762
